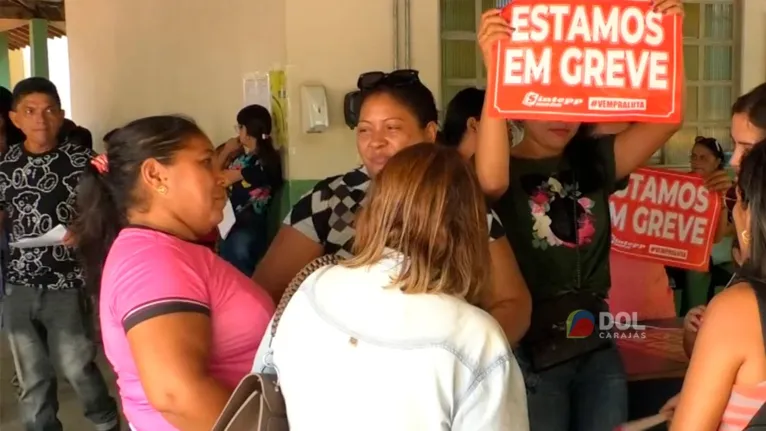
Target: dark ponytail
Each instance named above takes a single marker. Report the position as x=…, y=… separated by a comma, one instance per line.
x=97, y=225
x=751, y=184
x=466, y=104
x=104, y=198
x=258, y=124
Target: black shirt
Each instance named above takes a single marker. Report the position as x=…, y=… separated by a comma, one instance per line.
x=37, y=192
x=253, y=194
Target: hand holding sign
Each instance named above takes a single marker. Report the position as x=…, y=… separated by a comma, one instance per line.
x=719, y=182
x=493, y=28
x=669, y=7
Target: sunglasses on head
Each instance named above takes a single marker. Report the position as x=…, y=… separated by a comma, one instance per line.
x=397, y=78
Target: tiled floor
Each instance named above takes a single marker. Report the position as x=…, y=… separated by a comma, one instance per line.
x=70, y=412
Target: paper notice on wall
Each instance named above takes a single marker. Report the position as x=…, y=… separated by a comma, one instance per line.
x=278, y=83
x=257, y=90
x=229, y=218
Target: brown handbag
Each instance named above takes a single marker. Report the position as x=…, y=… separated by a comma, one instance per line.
x=257, y=403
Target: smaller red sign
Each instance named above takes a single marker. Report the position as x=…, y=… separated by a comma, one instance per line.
x=666, y=217
x=595, y=61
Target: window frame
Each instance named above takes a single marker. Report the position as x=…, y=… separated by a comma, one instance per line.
x=736, y=73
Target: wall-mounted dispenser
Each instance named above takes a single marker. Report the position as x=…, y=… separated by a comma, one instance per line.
x=315, y=117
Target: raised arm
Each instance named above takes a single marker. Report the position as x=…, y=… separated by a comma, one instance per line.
x=493, y=150
x=223, y=152
x=634, y=146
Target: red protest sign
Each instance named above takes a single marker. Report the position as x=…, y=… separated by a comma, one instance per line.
x=600, y=60
x=666, y=217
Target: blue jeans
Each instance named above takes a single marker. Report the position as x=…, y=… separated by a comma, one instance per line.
x=589, y=393
x=46, y=327
x=244, y=247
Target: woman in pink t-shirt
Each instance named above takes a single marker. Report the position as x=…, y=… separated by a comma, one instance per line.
x=180, y=326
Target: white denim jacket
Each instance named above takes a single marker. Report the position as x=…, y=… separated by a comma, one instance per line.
x=353, y=353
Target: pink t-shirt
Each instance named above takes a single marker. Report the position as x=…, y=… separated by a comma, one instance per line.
x=150, y=273
x=640, y=286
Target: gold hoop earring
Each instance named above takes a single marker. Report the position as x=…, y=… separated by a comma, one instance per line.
x=162, y=189
x=746, y=237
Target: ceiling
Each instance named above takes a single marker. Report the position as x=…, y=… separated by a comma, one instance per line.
x=19, y=37
x=15, y=16
x=52, y=10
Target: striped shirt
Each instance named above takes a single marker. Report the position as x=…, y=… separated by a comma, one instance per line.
x=744, y=403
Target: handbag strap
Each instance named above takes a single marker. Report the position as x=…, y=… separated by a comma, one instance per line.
x=295, y=284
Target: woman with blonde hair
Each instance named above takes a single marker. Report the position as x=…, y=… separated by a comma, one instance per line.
x=389, y=338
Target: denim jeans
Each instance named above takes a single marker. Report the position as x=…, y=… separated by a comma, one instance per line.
x=589, y=393
x=244, y=247
x=52, y=327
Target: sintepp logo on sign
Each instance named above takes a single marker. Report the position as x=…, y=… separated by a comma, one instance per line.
x=582, y=324
x=533, y=99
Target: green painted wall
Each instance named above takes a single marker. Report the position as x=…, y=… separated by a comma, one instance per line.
x=38, y=42
x=5, y=63
x=285, y=199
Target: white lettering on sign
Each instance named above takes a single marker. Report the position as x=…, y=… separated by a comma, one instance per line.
x=682, y=218
x=619, y=215
x=580, y=65
x=522, y=66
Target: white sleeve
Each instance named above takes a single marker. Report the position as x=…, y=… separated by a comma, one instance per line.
x=497, y=403
x=259, y=365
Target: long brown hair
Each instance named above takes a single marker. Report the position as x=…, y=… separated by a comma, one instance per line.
x=427, y=204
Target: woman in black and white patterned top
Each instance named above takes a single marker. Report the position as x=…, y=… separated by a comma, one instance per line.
x=396, y=112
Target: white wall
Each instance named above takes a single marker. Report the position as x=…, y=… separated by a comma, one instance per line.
x=192, y=59
x=753, y=51
x=356, y=37
x=131, y=58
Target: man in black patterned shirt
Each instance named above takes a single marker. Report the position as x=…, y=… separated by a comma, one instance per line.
x=45, y=312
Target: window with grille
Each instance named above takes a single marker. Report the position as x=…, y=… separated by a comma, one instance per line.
x=462, y=65
x=710, y=51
